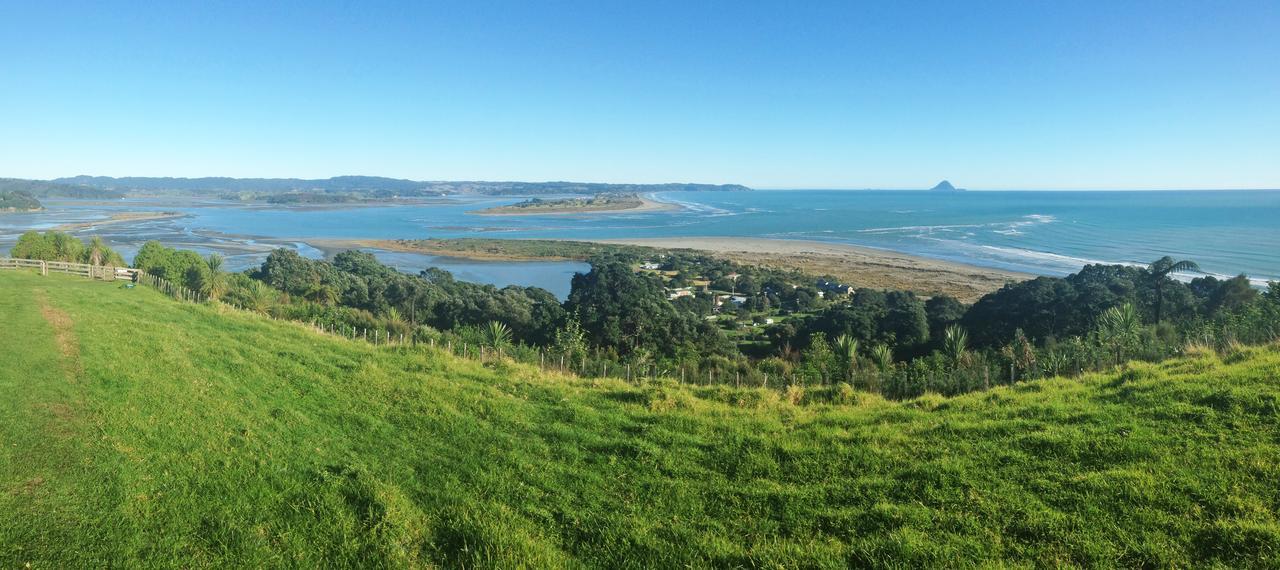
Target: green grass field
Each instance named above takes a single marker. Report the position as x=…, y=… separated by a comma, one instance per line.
x=136, y=431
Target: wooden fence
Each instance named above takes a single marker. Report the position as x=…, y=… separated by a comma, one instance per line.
x=103, y=273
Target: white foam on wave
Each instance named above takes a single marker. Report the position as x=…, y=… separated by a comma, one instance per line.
x=942, y=227
x=1009, y=228
x=697, y=207
x=1076, y=263
x=1260, y=282
x=1043, y=256
x=1014, y=228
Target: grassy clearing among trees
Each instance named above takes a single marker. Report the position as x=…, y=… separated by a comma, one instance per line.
x=139, y=431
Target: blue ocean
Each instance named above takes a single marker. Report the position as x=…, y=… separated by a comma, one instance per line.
x=1042, y=232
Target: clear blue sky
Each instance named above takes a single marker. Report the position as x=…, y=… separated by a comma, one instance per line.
x=1020, y=94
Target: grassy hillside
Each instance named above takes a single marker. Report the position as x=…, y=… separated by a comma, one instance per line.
x=138, y=431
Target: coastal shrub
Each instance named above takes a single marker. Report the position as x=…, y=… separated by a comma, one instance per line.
x=58, y=246
x=180, y=266
x=618, y=321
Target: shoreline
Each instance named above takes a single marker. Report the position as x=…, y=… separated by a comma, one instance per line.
x=119, y=219
x=646, y=205
x=331, y=246
x=856, y=265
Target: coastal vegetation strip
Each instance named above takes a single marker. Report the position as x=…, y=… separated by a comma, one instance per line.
x=485, y=248
x=859, y=266
x=245, y=441
x=600, y=203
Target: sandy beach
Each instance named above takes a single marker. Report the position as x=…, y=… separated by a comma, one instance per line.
x=120, y=219
x=646, y=205
x=858, y=266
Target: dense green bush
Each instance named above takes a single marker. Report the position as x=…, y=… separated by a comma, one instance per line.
x=58, y=246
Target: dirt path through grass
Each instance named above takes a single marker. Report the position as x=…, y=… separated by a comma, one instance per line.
x=63, y=335
x=46, y=435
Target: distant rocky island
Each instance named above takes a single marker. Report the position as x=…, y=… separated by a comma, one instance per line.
x=945, y=186
x=608, y=202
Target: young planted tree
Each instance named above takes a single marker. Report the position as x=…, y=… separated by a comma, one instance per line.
x=847, y=354
x=882, y=356
x=955, y=346
x=393, y=317
x=818, y=359
x=258, y=296
x=97, y=253
x=497, y=336
x=570, y=340
x=1160, y=270
x=212, y=283
x=1021, y=355
x=1120, y=329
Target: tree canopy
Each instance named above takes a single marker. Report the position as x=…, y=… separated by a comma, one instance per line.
x=58, y=246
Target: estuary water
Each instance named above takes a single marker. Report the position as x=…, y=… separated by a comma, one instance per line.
x=1041, y=232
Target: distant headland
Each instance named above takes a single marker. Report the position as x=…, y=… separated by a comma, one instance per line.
x=18, y=201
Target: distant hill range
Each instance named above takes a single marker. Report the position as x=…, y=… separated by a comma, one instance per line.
x=945, y=186
x=43, y=189
x=371, y=186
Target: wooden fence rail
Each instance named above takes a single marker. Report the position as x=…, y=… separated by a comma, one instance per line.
x=104, y=273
